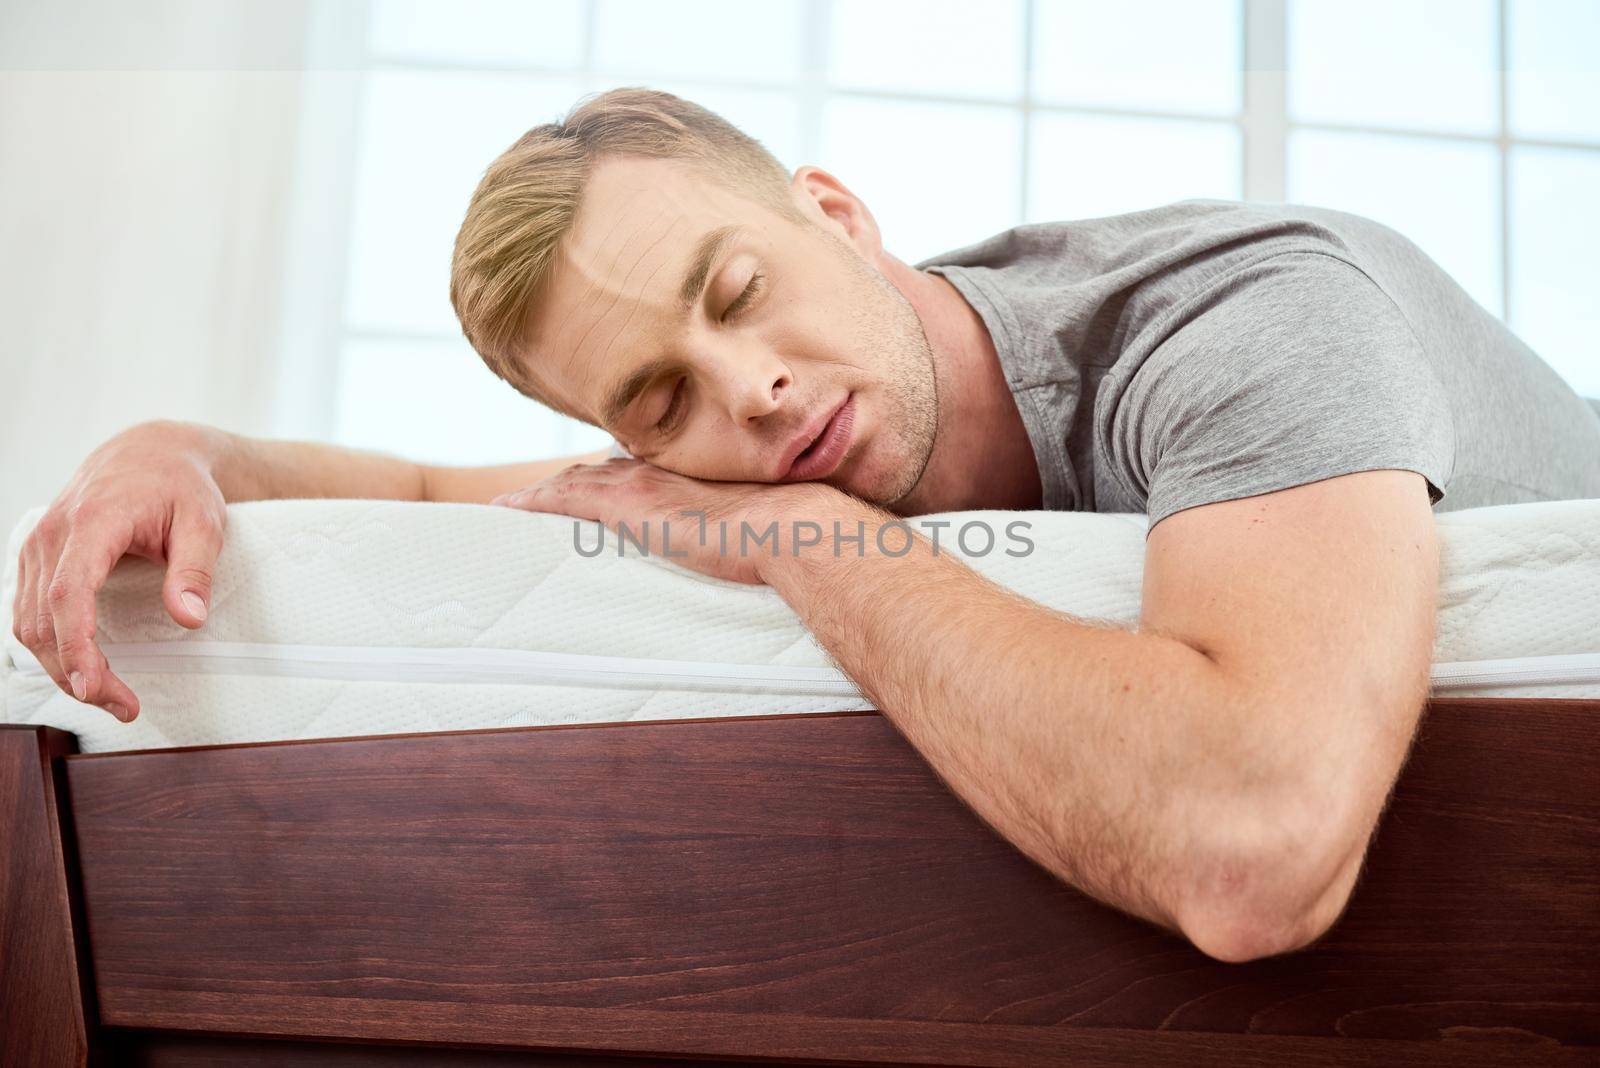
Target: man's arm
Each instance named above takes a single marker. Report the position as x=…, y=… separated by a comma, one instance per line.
x=1218, y=770
x=481, y=484
x=249, y=469
x=158, y=491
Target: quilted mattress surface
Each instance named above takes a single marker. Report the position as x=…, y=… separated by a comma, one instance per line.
x=344, y=618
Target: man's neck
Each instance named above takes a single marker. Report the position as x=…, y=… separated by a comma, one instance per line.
x=981, y=454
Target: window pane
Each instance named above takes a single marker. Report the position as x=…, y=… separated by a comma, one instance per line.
x=1406, y=64
x=1132, y=164
x=771, y=116
x=928, y=198
x=427, y=138
x=486, y=32
x=1168, y=55
x=1555, y=68
x=437, y=403
x=1555, y=220
x=733, y=41
x=944, y=46
x=1443, y=195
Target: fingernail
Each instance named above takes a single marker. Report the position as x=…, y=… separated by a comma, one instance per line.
x=78, y=689
x=194, y=604
x=117, y=710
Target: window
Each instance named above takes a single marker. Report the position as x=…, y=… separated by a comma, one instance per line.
x=1473, y=126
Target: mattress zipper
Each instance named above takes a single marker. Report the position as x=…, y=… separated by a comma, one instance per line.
x=527, y=667
x=1554, y=670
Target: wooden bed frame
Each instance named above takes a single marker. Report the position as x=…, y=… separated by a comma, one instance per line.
x=773, y=889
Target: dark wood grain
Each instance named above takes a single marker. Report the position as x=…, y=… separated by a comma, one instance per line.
x=43, y=1018
x=805, y=888
x=149, y=1049
x=895, y=1044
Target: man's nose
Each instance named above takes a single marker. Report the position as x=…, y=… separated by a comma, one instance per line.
x=755, y=392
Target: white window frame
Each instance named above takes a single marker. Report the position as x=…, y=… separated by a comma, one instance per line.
x=314, y=330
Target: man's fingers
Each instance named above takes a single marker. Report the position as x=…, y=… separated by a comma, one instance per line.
x=22, y=626
x=564, y=497
x=34, y=629
x=193, y=545
x=41, y=630
x=87, y=558
x=94, y=683
x=44, y=641
x=111, y=693
x=31, y=577
x=572, y=479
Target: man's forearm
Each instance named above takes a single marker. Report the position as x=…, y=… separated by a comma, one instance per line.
x=253, y=469
x=1101, y=752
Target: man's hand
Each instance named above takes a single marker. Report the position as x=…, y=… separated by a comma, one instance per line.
x=696, y=523
x=147, y=492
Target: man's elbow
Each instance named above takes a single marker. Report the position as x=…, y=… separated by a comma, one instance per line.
x=1238, y=935
x=1245, y=902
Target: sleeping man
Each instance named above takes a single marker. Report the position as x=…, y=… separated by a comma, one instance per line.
x=1286, y=393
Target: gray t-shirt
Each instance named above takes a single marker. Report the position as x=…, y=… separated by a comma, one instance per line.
x=1210, y=350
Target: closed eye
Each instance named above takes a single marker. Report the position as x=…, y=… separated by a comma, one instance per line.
x=743, y=300
x=669, y=416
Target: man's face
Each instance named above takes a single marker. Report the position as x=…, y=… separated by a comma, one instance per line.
x=783, y=356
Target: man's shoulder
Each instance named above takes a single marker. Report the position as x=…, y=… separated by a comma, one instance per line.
x=1047, y=241
x=1189, y=240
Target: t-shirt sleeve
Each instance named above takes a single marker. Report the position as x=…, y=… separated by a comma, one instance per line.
x=1296, y=369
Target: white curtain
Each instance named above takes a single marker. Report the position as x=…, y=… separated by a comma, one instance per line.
x=147, y=162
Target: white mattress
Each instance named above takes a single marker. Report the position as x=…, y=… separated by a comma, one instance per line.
x=345, y=618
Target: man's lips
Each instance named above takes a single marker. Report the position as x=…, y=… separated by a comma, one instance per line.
x=819, y=449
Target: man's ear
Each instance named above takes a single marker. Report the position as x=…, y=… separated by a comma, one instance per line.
x=830, y=201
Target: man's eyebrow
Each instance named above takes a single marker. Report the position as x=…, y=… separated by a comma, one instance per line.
x=694, y=283
x=705, y=257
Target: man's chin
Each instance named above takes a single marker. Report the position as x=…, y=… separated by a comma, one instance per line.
x=883, y=485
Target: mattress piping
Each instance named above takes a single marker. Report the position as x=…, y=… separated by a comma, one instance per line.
x=527, y=667
x=467, y=665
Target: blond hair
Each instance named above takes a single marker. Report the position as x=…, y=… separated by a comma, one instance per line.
x=527, y=201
